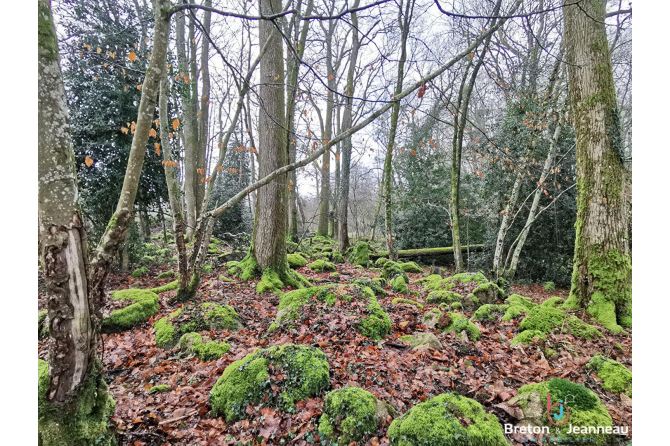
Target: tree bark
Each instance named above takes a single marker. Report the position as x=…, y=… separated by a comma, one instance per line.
x=347, y=118
x=72, y=377
x=602, y=269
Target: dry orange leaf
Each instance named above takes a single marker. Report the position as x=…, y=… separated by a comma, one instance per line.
x=152, y=133
x=175, y=124
x=158, y=148
x=132, y=56
x=88, y=161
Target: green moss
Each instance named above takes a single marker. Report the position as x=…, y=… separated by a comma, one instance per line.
x=360, y=255
x=377, y=324
x=399, y=285
x=585, y=407
x=349, y=415
x=145, y=305
x=550, y=286
x=296, y=260
x=81, y=422
x=269, y=282
x=552, y=302
x=400, y=300
x=139, y=272
x=222, y=317
x=442, y=296
x=376, y=285
x=166, y=335
x=42, y=325
x=46, y=37
x=447, y=419
x=205, y=351
x=305, y=370
x=175, y=313
x=526, y=337
x=165, y=275
x=159, y=388
x=247, y=269
x=430, y=278
x=553, y=320
x=411, y=267
x=167, y=287
x=381, y=261
x=478, y=278
x=207, y=268
x=223, y=278
x=516, y=299
x=489, y=312
x=616, y=377
x=392, y=270
x=322, y=266
x=460, y=323
x=488, y=292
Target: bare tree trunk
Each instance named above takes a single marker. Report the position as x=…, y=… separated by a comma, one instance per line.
x=347, y=119
x=404, y=19
x=602, y=274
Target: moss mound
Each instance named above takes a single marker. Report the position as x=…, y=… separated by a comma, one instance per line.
x=488, y=293
x=350, y=415
x=460, y=323
x=305, y=374
x=411, y=267
x=447, y=419
x=399, y=285
x=381, y=261
x=360, y=255
x=159, y=388
x=585, y=408
x=322, y=266
x=145, y=305
x=192, y=343
x=139, y=272
x=392, y=270
x=373, y=322
x=553, y=320
x=443, y=296
x=296, y=261
x=517, y=306
x=489, y=312
x=167, y=287
x=81, y=423
x=194, y=318
x=165, y=275
x=400, y=300
x=526, y=337
x=221, y=316
x=616, y=376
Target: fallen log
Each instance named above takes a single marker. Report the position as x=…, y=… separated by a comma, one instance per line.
x=429, y=251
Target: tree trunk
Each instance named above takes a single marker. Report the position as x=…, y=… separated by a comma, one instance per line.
x=73, y=403
x=347, y=119
x=602, y=270
x=404, y=19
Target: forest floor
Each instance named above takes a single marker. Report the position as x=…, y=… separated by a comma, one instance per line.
x=489, y=370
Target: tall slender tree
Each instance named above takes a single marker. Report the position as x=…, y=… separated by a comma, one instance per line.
x=602, y=270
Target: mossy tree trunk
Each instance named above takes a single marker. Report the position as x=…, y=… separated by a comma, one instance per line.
x=347, y=118
x=602, y=270
x=404, y=19
x=73, y=400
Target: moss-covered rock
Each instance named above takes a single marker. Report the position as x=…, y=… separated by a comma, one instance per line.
x=615, y=376
x=550, y=286
x=447, y=419
x=488, y=293
x=552, y=302
x=430, y=318
x=207, y=268
x=166, y=336
x=296, y=260
x=360, y=255
x=585, y=408
x=460, y=323
x=305, y=370
x=489, y=312
x=526, y=337
x=351, y=414
x=376, y=285
x=165, y=275
x=376, y=324
x=139, y=272
x=221, y=317
x=420, y=338
x=82, y=422
x=381, y=261
x=553, y=320
x=145, y=305
x=442, y=296
x=322, y=266
x=399, y=285
x=400, y=300
x=192, y=343
x=411, y=267
x=392, y=270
